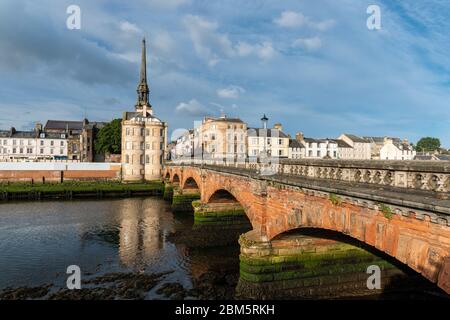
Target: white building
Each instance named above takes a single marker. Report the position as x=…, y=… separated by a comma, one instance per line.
x=318, y=148
x=272, y=141
x=394, y=149
x=296, y=149
x=388, y=148
x=360, y=147
x=33, y=145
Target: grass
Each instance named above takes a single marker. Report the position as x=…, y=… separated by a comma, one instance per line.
x=335, y=200
x=79, y=186
x=386, y=210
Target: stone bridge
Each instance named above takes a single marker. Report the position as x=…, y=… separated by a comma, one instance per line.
x=400, y=208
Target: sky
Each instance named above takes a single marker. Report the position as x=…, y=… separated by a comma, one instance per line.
x=313, y=66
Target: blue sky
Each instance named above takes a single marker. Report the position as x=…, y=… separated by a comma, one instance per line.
x=311, y=65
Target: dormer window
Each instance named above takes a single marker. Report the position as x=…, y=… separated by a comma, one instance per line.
x=42, y=135
x=63, y=136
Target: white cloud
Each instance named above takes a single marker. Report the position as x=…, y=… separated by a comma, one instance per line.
x=323, y=25
x=215, y=46
x=129, y=27
x=208, y=43
x=291, y=19
x=163, y=41
x=192, y=108
x=231, y=92
x=264, y=51
x=167, y=4
x=309, y=44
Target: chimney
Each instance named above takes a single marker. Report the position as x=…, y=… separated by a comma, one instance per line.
x=38, y=127
x=299, y=136
x=278, y=126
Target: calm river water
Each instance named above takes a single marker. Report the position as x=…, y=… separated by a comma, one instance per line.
x=39, y=240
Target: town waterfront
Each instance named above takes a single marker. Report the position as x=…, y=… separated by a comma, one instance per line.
x=136, y=246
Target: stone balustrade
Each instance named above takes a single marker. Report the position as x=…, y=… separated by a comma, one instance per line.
x=419, y=175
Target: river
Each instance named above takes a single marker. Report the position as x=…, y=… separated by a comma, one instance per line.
x=39, y=240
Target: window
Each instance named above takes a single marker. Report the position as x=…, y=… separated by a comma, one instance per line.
x=147, y=146
x=21, y=142
x=280, y=152
x=142, y=146
x=62, y=143
x=318, y=153
x=280, y=141
x=127, y=132
x=52, y=143
x=63, y=136
x=141, y=159
x=142, y=131
x=14, y=150
x=127, y=159
x=42, y=142
x=42, y=151
x=14, y=142
x=147, y=132
x=161, y=132
x=29, y=150
x=51, y=151
x=21, y=150
x=153, y=145
x=42, y=135
x=310, y=153
x=147, y=159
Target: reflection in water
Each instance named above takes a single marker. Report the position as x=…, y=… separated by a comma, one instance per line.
x=38, y=240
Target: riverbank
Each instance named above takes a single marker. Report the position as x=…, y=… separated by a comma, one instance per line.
x=79, y=189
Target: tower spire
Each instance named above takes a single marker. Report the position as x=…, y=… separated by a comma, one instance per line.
x=142, y=89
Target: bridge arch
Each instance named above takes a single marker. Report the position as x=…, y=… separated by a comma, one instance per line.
x=176, y=179
x=191, y=180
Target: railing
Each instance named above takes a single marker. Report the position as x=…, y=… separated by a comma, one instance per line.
x=419, y=175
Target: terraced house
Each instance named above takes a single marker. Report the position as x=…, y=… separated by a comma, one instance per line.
x=35, y=145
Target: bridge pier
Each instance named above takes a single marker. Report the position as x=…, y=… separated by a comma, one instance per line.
x=168, y=191
x=303, y=266
x=182, y=199
x=219, y=213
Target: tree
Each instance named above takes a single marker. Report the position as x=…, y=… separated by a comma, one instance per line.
x=428, y=144
x=109, y=138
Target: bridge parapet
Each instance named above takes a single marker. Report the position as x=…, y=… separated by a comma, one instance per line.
x=419, y=175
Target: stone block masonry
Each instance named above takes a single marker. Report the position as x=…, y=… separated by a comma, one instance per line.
x=219, y=213
x=182, y=201
x=310, y=268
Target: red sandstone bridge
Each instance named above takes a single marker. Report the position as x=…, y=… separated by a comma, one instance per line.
x=399, y=207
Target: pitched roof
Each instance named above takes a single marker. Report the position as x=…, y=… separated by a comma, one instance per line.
x=342, y=143
x=260, y=132
x=355, y=138
x=63, y=125
x=293, y=143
